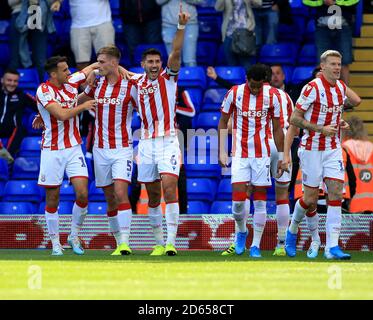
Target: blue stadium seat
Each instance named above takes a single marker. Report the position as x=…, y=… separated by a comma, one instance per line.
x=282, y=53
x=125, y=59
x=16, y=208
x=118, y=25
x=206, y=52
x=2, y=187
x=198, y=207
x=271, y=207
x=136, y=121
x=26, y=168
x=95, y=194
x=213, y=98
x=288, y=70
x=202, y=168
x=4, y=53
x=4, y=30
x=221, y=207
x=67, y=191
x=28, y=78
x=200, y=189
x=224, y=190
x=30, y=147
x=192, y=77
x=114, y=5
x=97, y=208
x=63, y=27
x=142, y=47
x=293, y=32
x=210, y=28
x=220, y=56
x=196, y=97
x=308, y=55
x=136, y=70
x=298, y=8
x=65, y=207
x=207, y=120
x=309, y=35
x=22, y=190
x=4, y=173
x=236, y=75
x=301, y=74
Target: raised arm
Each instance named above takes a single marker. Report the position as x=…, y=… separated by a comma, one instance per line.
x=353, y=100
x=63, y=114
x=177, y=44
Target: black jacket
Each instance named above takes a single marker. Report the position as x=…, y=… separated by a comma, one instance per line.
x=12, y=106
x=139, y=11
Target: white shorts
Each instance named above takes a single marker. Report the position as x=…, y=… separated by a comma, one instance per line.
x=316, y=166
x=286, y=176
x=53, y=165
x=255, y=171
x=112, y=164
x=81, y=40
x=158, y=156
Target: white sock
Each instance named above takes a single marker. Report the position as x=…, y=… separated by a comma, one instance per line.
x=283, y=218
x=260, y=217
x=172, y=220
x=115, y=229
x=333, y=224
x=78, y=216
x=298, y=215
x=238, y=210
x=52, y=225
x=155, y=217
x=124, y=220
x=313, y=225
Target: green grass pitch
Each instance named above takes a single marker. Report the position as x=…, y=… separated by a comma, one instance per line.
x=190, y=275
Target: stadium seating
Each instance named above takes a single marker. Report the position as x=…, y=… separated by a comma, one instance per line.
x=196, y=97
x=3, y=170
x=308, y=55
x=235, y=75
x=28, y=79
x=118, y=26
x=288, y=70
x=97, y=208
x=30, y=130
x=22, y=190
x=198, y=207
x=115, y=5
x=200, y=189
x=210, y=28
x=309, y=35
x=293, y=32
x=192, y=77
x=207, y=120
x=2, y=187
x=125, y=59
x=224, y=190
x=282, y=53
x=4, y=53
x=136, y=121
x=4, y=30
x=220, y=207
x=26, y=168
x=213, y=98
x=301, y=74
x=95, y=194
x=16, y=208
x=64, y=207
x=206, y=52
x=30, y=147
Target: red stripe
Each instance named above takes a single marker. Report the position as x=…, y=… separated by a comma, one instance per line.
x=171, y=202
x=302, y=203
x=311, y=214
x=126, y=102
x=124, y=206
x=54, y=123
x=329, y=115
x=238, y=196
x=235, y=115
x=100, y=111
x=112, y=213
x=245, y=121
x=66, y=133
x=12, y=137
x=143, y=114
x=314, y=117
x=112, y=108
x=280, y=202
x=258, y=125
x=334, y=203
x=78, y=177
x=340, y=102
x=153, y=109
x=165, y=105
x=259, y=196
x=76, y=131
x=81, y=204
x=50, y=209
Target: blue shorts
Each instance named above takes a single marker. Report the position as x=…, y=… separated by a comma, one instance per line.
x=335, y=39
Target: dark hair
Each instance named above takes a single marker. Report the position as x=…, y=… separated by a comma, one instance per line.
x=150, y=51
x=268, y=73
x=258, y=72
x=316, y=70
x=11, y=71
x=52, y=63
x=110, y=50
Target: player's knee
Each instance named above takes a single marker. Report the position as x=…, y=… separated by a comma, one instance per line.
x=121, y=196
x=169, y=194
x=310, y=201
x=82, y=196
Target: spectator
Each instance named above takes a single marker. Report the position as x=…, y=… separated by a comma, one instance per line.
x=91, y=24
x=36, y=30
x=13, y=102
x=170, y=9
x=335, y=34
x=266, y=22
x=360, y=154
x=141, y=23
x=237, y=14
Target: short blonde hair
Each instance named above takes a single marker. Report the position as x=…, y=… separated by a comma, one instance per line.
x=329, y=53
x=110, y=50
x=357, y=129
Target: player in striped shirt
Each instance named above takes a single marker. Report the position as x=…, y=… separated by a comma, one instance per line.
x=254, y=106
x=61, y=151
x=112, y=152
x=159, y=155
x=318, y=111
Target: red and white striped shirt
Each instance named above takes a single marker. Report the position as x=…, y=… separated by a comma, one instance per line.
x=323, y=105
x=114, y=110
x=251, y=119
x=156, y=102
x=287, y=108
x=57, y=134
